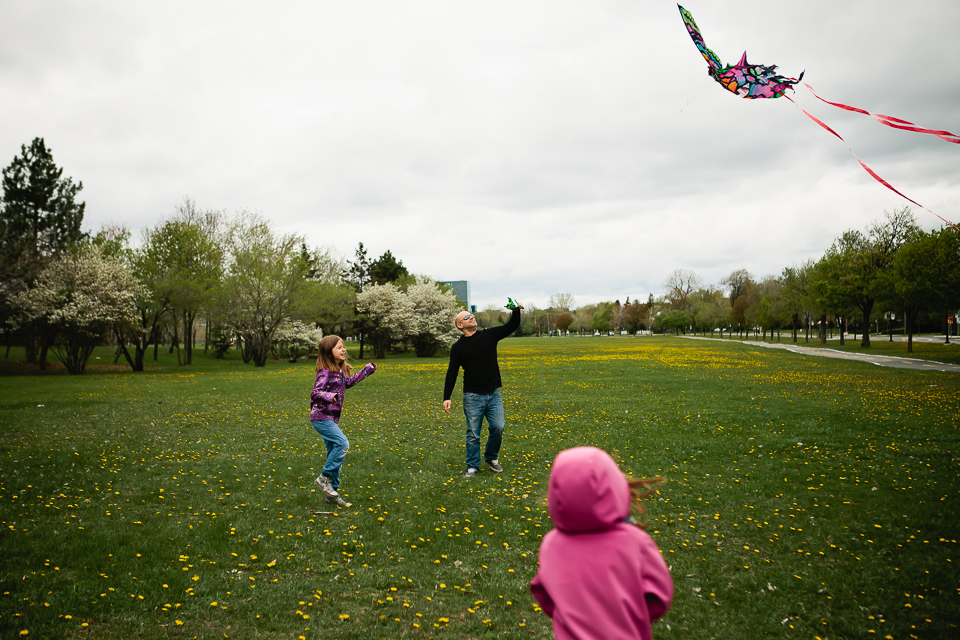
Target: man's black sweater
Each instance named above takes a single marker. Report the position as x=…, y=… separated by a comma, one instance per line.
x=477, y=355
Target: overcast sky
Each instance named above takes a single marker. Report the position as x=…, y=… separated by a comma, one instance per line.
x=530, y=148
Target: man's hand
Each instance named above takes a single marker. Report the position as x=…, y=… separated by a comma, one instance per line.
x=446, y=406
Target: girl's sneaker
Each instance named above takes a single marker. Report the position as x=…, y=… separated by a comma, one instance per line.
x=326, y=485
x=340, y=502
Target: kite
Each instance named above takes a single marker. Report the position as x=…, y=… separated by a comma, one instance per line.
x=512, y=304
x=760, y=81
x=744, y=79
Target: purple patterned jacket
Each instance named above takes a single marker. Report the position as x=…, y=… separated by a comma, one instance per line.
x=326, y=398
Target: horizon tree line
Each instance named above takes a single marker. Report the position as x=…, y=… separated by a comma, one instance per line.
x=270, y=295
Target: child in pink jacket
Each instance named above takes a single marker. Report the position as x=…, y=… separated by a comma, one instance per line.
x=601, y=576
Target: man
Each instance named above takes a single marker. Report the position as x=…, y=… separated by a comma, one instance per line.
x=476, y=353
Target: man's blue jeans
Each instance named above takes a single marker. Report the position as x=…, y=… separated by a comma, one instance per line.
x=476, y=407
x=337, y=446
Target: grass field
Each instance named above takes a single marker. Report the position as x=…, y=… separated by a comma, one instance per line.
x=806, y=498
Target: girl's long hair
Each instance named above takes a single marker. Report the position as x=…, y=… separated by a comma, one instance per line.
x=640, y=489
x=325, y=359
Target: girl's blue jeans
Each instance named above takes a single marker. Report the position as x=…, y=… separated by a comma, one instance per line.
x=337, y=446
x=476, y=407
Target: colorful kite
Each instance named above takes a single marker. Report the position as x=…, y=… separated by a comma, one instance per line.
x=744, y=79
x=760, y=81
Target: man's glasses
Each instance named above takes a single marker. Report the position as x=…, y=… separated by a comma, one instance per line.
x=467, y=317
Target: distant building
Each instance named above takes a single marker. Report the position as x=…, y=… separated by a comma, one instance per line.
x=462, y=289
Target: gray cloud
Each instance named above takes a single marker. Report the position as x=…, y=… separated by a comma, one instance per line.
x=530, y=148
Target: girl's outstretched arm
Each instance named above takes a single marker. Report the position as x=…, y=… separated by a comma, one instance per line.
x=368, y=370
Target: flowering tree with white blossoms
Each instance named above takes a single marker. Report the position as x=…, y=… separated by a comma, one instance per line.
x=391, y=313
x=79, y=297
x=293, y=340
x=433, y=313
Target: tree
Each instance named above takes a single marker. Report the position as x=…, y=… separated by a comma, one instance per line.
x=327, y=300
x=386, y=269
x=771, y=312
x=358, y=276
x=709, y=307
x=739, y=311
x=564, y=320
x=602, y=318
x=265, y=275
x=635, y=316
x=926, y=275
x=491, y=315
x=187, y=266
x=40, y=220
x=114, y=243
x=562, y=301
x=80, y=296
x=679, y=285
x=433, y=312
x=294, y=339
x=737, y=282
x=799, y=296
x=390, y=313
x=857, y=263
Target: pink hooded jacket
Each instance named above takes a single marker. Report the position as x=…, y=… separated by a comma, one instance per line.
x=600, y=578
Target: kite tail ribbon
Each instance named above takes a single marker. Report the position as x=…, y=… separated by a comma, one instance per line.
x=865, y=167
x=889, y=121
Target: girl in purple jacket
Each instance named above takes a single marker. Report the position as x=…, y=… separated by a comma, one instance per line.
x=326, y=403
x=601, y=576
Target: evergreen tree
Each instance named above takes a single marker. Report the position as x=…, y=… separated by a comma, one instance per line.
x=40, y=214
x=387, y=269
x=40, y=219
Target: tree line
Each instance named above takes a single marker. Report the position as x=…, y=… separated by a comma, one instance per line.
x=247, y=286
x=892, y=273
x=268, y=294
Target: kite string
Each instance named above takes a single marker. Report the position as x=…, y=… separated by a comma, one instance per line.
x=865, y=167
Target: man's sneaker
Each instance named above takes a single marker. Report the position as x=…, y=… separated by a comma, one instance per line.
x=326, y=485
x=494, y=466
x=340, y=502
x=471, y=472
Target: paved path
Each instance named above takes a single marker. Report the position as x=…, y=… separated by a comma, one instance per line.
x=883, y=361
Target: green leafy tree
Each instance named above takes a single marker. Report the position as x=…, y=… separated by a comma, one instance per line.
x=857, y=263
x=327, y=300
x=264, y=278
x=188, y=266
x=926, y=276
x=602, y=318
x=799, y=298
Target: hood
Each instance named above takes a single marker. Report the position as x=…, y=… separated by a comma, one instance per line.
x=587, y=491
